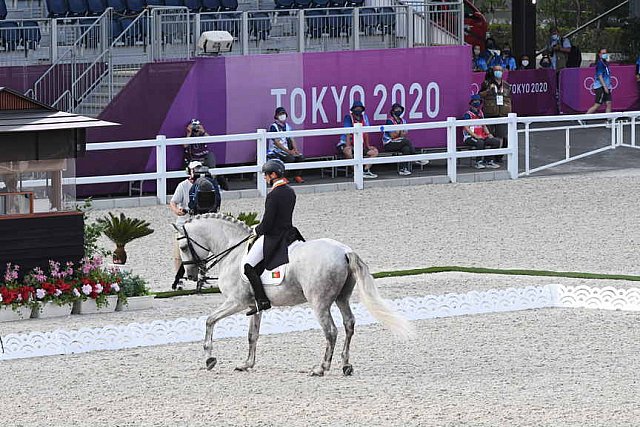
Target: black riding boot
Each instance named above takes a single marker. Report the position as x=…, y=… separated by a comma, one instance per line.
x=262, y=302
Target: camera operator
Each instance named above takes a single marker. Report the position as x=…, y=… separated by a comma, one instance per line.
x=200, y=152
x=179, y=205
x=558, y=49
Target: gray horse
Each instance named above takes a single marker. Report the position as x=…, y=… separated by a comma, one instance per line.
x=320, y=272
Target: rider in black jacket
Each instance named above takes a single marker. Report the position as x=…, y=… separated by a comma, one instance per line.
x=276, y=232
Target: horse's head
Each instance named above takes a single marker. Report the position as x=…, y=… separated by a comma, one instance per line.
x=192, y=252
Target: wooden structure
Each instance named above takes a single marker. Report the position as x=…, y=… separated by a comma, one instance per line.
x=37, y=140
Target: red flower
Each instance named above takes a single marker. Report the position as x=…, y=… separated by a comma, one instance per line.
x=64, y=287
x=50, y=288
x=25, y=292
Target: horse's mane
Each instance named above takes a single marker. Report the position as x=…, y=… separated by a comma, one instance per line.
x=227, y=218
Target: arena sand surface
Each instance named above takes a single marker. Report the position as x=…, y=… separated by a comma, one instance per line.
x=538, y=367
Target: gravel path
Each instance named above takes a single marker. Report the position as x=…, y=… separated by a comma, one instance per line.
x=545, y=367
x=540, y=367
x=583, y=223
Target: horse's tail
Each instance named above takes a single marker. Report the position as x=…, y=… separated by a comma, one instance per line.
x=374, y=302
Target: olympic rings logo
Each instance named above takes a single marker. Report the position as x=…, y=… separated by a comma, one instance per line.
x=589, y=81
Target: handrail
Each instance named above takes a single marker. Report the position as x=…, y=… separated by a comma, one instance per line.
x=588, y=23
x=63, y=59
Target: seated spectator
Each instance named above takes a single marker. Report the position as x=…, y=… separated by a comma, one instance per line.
x=477, y=136
x=345, y=145
x=284, y=149
x=478, y=63
x=490, y=51
x=396, y=141
x=638, y=69
x=545, y=61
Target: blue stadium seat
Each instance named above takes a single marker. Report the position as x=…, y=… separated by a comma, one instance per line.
x=30, y=34
x=302, y=4
x=154, y=2
x=193, y=5
x=259, y=25
x=174, y=3
x=116, y=28
x=211, y=5
x=119, y=6
x=228, y=5
x=96, y=7
x=57, y=8
x=316, y=20
x=284, y=4
x=135, y=6
x=77, y=7
x=3, y=9
x=369, y=20
x=320, y=3
x=9, y=35
x=354, y=3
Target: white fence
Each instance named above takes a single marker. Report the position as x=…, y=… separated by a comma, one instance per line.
x=516, y=125
x=260, y=137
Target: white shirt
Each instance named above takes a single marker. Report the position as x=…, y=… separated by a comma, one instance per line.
x=181, y=199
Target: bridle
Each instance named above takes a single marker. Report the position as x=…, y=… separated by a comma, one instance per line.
x=205, y=264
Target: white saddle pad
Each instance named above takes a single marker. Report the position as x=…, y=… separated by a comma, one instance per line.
x=275, y=276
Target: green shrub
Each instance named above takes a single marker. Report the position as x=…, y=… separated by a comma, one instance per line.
x=133, y=285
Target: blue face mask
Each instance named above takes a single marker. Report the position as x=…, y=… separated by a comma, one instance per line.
x=605, y=56
x=475, y=104
x=497, y=74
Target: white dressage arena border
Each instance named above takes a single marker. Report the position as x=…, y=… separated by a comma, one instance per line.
x=276, y=321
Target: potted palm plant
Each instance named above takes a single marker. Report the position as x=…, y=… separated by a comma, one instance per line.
x=122, y=230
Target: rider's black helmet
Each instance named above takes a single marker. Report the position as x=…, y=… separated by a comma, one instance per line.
x=274, y=165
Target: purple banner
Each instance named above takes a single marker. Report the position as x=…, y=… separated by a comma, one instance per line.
x=534, y=91
x=577, y=94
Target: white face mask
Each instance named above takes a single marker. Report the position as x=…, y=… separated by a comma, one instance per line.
x=282, y=117
x=525, y=63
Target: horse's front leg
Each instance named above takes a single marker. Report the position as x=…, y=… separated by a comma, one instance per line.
x=254, y=333
x=227, y=309
x=330, y=333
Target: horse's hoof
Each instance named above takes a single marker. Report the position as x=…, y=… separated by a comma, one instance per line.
x=316, y=372
x=211, y=363
x=241, y=369
x=347, y=370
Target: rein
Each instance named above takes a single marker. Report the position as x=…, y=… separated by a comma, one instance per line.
x=204, y=265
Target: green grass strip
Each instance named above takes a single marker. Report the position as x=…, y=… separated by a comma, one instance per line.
x=446, y=269
x=479, y=270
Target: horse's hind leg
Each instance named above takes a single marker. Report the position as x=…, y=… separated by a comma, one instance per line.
x=349, y=326
x=330, y=333
x=254, y=333
x=225, y=310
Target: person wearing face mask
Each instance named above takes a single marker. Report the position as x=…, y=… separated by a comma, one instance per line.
x=478, y=63
x=545, y=61
x=524, y=62
x=397, y=142
x=602, y=82
x=496, y=95
x=284, y=149
x=505, y=60
x=558, y=48
x=345, y=145
x=478, y=136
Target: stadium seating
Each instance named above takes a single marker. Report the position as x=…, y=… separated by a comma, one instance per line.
x=259, y=25
x=211, y=6
x=228, y=5
x=369, y=20
x=173, y=3
x=193, y=5
x=96, y=7
x=30, y=34
x=135, y=6
x=284, y=4
x=119, y=6
x=57, y=8
x=155, y=2
x=77, y=8
x=9, y=35
x=316, y=20
x=3, y=9
x=387, y=20
x=302, y=4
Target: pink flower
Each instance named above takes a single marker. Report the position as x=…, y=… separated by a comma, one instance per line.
x=98, y=288
x=115, y=287
x=40, y=293
x=86, y=289
x=76, y=292
x=57, y=293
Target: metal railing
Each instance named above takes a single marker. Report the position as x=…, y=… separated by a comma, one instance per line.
x=616, y=122
x=437, y=23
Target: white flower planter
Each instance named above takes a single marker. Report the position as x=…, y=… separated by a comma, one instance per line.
x=51, y=309
x=9, y=315
x=89, y=306
x=136, y=303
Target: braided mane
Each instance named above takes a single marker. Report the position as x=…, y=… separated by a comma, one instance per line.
x=227, y=218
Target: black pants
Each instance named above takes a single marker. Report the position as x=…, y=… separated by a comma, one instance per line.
x=482, y=143
x=288, y=158
x=502, y=132
x=401, y=145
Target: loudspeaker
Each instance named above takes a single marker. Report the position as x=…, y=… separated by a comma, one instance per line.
x=215, y=42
